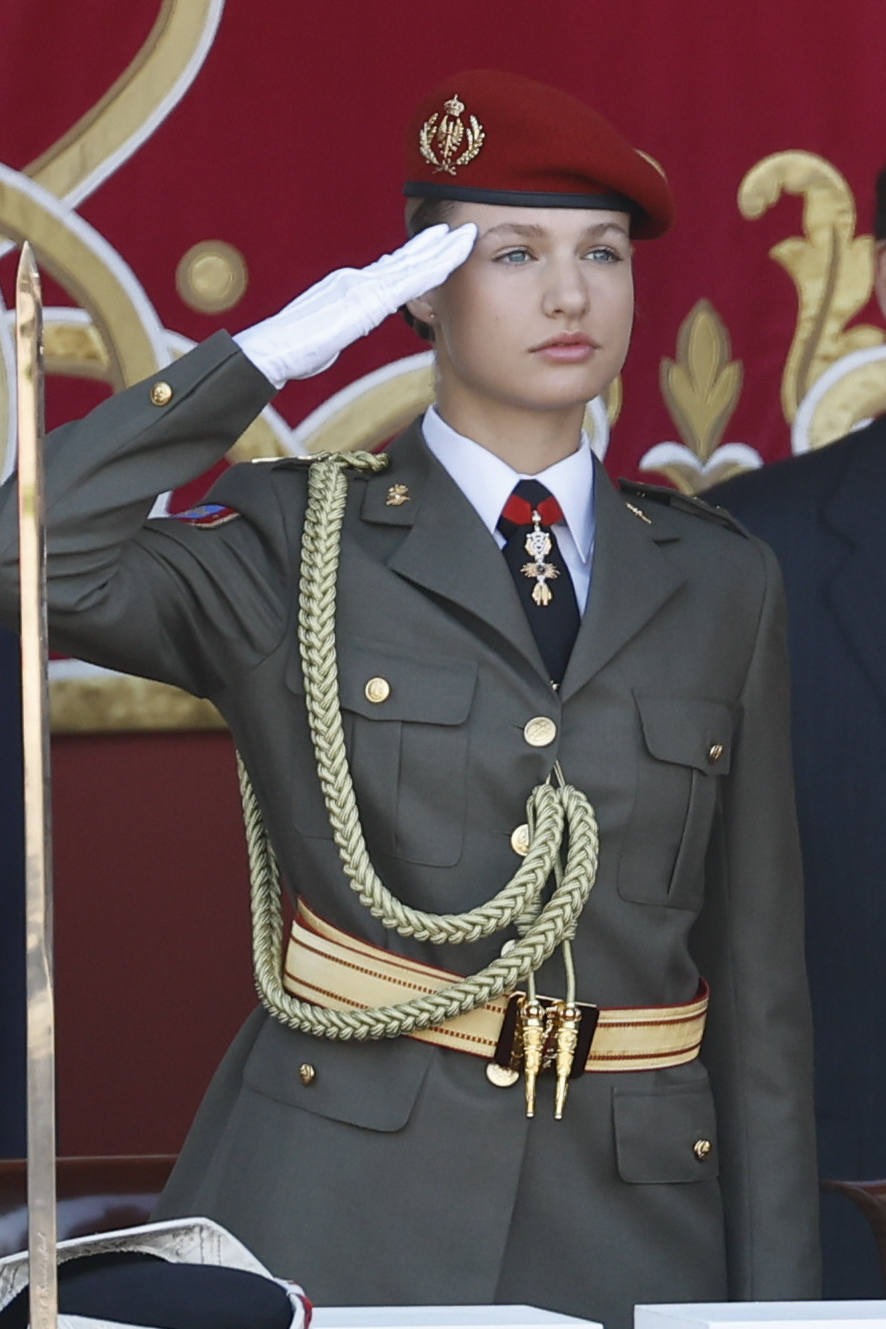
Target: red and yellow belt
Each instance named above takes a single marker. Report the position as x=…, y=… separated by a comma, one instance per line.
x=333, y=969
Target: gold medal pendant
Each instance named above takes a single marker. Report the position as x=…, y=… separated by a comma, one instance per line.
x=538, y=545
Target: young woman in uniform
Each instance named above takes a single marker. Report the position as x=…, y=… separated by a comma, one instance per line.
x=475, y=665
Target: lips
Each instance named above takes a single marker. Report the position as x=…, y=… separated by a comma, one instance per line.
x=567, y=339
x=566, y=348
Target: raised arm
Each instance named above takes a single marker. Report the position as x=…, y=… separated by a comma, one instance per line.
x=162, y=597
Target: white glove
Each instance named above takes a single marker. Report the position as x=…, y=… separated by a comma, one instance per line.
x=307, y=336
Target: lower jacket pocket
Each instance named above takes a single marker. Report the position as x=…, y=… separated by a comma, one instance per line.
x=666, y=1135
x=373, y=1084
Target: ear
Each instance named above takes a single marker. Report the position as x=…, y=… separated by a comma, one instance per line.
x=423, y=308
x=880, y=275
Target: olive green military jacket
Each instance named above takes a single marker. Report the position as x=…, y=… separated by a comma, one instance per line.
x=400, y=1174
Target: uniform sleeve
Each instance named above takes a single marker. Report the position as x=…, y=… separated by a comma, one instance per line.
x=750, y=943
x=158, y=597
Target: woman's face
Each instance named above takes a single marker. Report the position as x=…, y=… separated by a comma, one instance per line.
x=539, y=316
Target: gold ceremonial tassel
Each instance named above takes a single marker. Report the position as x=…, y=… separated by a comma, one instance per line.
x=42, y=1227
x=534, y=1033
x=568, y=1021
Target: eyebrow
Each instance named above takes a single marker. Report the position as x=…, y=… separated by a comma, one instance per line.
x=531, y=230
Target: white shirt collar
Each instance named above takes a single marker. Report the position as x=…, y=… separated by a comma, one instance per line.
x=486, y=480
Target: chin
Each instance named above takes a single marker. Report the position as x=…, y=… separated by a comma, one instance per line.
x=551, y=398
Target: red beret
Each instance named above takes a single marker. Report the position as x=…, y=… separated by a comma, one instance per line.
x=487, y=136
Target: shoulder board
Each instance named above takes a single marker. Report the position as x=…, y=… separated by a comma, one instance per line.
x=206, y=515
x=682, y=503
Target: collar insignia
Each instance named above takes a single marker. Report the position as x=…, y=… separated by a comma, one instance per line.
x=397, y=494
x=440, y=139
x=638, y=512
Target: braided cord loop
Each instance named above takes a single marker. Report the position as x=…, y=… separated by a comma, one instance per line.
x=551, y=812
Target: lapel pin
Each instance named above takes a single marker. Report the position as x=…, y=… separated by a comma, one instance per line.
x=638, y=512
x=397, y=494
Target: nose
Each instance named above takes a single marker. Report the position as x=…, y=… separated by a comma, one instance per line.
x=566, y=290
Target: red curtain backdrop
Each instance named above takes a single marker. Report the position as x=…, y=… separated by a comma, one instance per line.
x=287, y=146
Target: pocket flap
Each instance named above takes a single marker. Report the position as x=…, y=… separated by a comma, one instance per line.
x=382, y=685
x=371, y=1084
x=688, y=730
x=669, y=1135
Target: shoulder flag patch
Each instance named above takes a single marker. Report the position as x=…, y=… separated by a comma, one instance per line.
x=206, y=515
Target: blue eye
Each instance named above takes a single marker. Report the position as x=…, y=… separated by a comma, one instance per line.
x=603, y=254
x=514, y=256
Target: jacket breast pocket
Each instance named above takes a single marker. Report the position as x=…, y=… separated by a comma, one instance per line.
x=666, y=1135
x=370, y=1084
x=405, y=721
x=684, y=749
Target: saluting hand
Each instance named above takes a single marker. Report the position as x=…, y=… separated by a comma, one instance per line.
x=307, y=336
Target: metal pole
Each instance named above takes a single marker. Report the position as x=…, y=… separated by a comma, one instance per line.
x=42, y=1229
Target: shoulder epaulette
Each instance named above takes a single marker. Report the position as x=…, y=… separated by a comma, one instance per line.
x=682, y=503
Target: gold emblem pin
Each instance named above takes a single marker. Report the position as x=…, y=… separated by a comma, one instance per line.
x=441, y=138
x=638, y=512
x=397, y=494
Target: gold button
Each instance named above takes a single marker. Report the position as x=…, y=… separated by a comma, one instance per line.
x=520, y=839
x=161, y=394
x=501, y=1076
x=715, y=752
x=377, y=690
x=540, y=731
x=701, y=1149
x=307, y=1073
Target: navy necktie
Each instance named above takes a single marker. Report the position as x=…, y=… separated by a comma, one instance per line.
x=540, y=572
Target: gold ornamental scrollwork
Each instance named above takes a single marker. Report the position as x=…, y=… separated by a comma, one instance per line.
x=701, y=389
x=36, y=204
x=144, y=94
x=702, y=386
x=91, y=271
x=831, y=266
x=115, y=336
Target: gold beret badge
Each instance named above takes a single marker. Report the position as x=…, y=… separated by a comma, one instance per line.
x=440, y=138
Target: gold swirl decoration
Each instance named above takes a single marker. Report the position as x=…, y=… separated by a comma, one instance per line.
x=91, y=271
x=852, y=390
x=136, y=103
x=701, y=388
x=36, y=204
x=122, y=341
x=116, y=337
x=831, y=266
